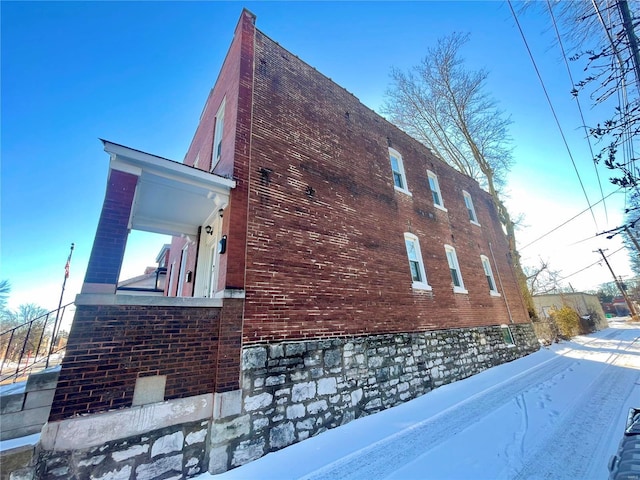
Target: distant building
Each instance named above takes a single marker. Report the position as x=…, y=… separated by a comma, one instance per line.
x=324, y=266
x=152, y=281
x=617, y=307
x=585, y=304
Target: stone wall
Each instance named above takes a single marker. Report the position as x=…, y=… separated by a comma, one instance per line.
x=172, y=452
x=294, y=390
x=290, y=392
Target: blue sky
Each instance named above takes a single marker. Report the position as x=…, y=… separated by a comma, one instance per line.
x=138, y=74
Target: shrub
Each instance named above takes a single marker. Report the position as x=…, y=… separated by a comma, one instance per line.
x=568, y=321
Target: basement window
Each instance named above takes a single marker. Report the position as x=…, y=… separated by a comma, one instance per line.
x=507, y=336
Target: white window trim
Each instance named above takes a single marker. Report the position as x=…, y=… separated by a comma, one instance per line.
x=487, y=264
x=456, y=289
x=434, y=177
x=403, y=175
x=467, y=196
x=172, y=279
x=218, y=132
x=417, y=285
x=182, y=275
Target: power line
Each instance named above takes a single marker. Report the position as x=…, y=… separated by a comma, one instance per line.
x=564, y=223
x=555, y=116
x=584, y=123
x=588, y=266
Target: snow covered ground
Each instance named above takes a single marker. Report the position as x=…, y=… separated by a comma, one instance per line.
x=556, y=414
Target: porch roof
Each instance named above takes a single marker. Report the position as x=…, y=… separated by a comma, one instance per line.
x=171, y=198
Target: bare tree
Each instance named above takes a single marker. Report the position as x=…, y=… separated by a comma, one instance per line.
x=30, y=322
x=543, y=279
x=601, y=35
x=5, y=288
x=445, y=106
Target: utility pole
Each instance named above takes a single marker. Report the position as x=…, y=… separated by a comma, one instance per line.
x=623, y=6
x=632, y=310
x=633, y=239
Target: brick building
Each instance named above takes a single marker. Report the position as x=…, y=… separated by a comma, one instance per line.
x=324, y=266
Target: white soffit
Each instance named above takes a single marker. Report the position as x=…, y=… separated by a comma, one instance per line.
x=171, y=198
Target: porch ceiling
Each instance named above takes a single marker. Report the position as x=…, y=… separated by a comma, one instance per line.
x=171, y=198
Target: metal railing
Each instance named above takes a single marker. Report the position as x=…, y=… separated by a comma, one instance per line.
x=31, y=345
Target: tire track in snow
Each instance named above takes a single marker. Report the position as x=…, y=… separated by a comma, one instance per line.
x=389, y=454
x=573, y=447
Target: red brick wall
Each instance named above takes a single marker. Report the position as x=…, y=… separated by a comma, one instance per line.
x=110, y=346
x=325, y=244
x=233, y=85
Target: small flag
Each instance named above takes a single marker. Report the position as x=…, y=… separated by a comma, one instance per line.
x=66, y=267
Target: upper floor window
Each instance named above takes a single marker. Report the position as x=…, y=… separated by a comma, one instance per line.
x=416, y=265
x=217, y=135
x=454, y=269
x=397, y=168
x=488, y=273
x=435, y=190
x=469, y=204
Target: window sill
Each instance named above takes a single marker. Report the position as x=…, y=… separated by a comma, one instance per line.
x=460, y=290
x=440, y=207
x=475, y=223
x=402, y=190
x=421, y=286
x=495, y=294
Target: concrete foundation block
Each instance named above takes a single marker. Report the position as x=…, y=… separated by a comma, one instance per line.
x=44, y=380
x=12, y=402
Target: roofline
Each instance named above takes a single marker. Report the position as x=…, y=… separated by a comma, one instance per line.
x=155, y=162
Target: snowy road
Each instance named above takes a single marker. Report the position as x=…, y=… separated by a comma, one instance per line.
x=557, y=414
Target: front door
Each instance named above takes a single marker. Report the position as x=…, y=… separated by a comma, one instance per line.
x=207, y=269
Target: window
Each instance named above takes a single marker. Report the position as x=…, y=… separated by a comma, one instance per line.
x=397, y=168
x=217, y=136
x=454, y=269
x=469, y=204
x=418, y=273
x=435, y=190
x=486, y=265
x=507, y=336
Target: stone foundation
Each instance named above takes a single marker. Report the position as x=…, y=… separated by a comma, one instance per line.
x=290, y=392
x=294, y=390
x=173, y=452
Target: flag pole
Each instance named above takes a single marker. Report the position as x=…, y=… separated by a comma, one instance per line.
x=58, y=320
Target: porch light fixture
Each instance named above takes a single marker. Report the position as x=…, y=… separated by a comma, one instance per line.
x=208, y=229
